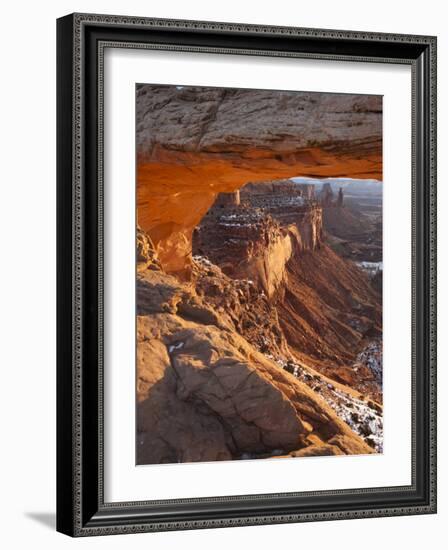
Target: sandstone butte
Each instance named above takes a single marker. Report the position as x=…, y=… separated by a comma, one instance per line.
x=206, y=141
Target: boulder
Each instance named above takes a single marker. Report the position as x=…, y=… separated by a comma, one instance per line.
x=204, y=393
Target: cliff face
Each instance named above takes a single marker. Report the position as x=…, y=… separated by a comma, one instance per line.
x=255, y=338
x=328, y=313
x=254, y=355
x=326, y=306
x=246, y=245
x=207, y=141
x=205, y=393
x=256, y=235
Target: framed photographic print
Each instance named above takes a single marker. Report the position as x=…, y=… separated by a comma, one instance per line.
x=246, y=274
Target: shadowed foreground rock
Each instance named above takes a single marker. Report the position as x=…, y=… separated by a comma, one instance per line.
x=204, y=393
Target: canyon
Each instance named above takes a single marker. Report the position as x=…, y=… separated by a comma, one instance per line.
x=193, y=143
x=273, y=235
x=261, y=352
x=258, y=329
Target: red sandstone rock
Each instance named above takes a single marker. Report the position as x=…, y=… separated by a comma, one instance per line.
x=193, y=143
x=326, y=306
x=212, y=381
x=204, y=393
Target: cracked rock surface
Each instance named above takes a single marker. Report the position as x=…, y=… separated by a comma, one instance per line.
x=204, y=393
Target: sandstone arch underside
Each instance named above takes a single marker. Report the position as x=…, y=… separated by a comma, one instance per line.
x=194, y=143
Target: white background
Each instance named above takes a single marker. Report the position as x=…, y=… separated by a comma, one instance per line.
x=125, y=482
x=27, y=233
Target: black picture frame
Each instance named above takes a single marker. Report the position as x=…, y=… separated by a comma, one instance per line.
x=81, y=510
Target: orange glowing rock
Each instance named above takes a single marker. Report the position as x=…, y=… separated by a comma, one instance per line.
x=194, y=142
x=175, y=190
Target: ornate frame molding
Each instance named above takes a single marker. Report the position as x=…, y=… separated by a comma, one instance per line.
x=84, y=513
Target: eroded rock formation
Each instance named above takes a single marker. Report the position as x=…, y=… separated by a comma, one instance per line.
x=255, y=338
x=256, y=238
x=193, y=143
x=326, y=306
x=204, y=393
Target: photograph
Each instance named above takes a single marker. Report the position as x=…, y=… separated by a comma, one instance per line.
x=220, y=278
x=246, y=223
x=259, y=268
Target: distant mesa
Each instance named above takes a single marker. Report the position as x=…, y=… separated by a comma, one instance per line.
x=224, y=200
x=327, y=196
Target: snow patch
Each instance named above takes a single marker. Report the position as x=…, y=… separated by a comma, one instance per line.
x=363, y=416
x=173, y=347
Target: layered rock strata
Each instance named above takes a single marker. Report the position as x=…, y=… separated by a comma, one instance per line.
x=256, y=238
x=326, y=307
x=205, y=393
x=193, y=143
x=255, y=338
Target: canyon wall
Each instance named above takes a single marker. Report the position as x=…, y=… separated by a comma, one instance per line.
x=272, y=235
x=252, y=333
x=193, y=143
x=208, y=387
x=256, y=234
